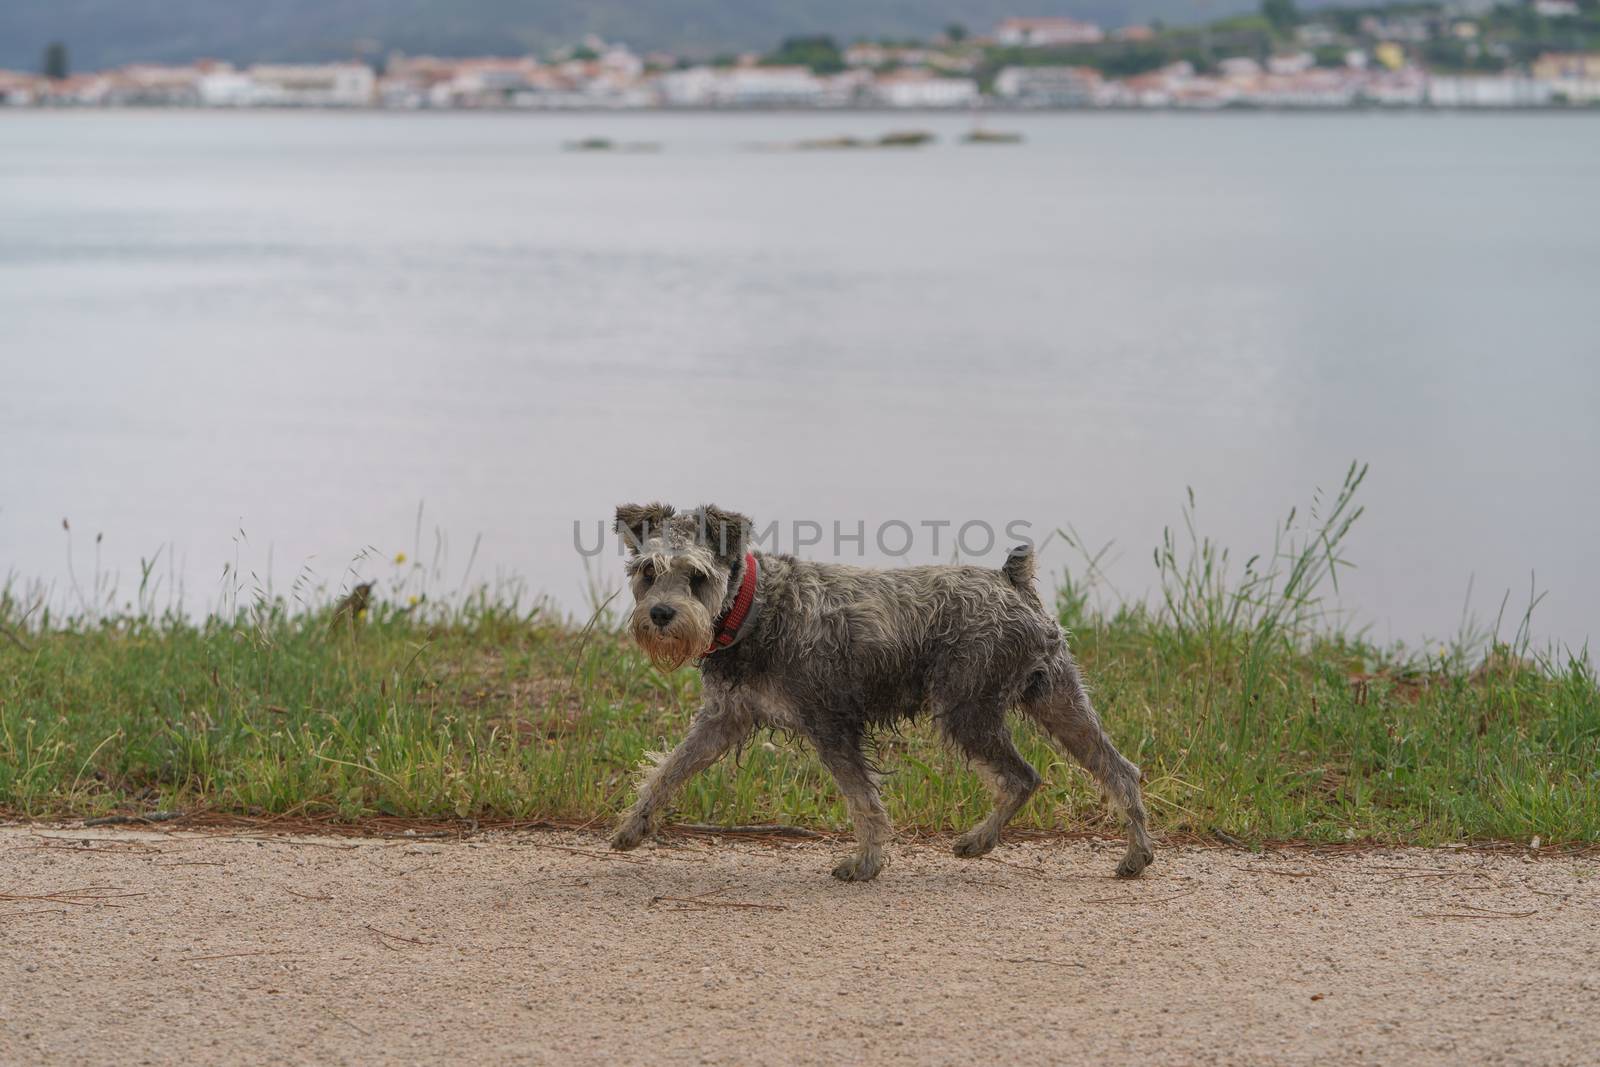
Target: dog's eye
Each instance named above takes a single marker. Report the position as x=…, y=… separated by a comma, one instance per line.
x=697, y=583
x=648, y=573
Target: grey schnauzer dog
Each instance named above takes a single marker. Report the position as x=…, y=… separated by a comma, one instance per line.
x=830, y=652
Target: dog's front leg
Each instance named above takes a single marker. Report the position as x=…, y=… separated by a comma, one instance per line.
x=850, y=769
x=712, y=733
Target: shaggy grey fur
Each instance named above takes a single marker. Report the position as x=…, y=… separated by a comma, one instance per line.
x=832, y=652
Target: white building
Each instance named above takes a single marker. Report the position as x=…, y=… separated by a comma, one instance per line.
x=770, y=86
x=620, y=61
x=17, y=89
x=1407, y=87
x=1505, y=91
x=1297, y=63
x=166, y=86
x=1049, y=86
x=750, y=86
x=226, y=87
x=919, y=89
x=328, y=85
x=1573, y=76
x=847, y=87
x=694, y=87
x=483, y=81
x=1312, y=88
x=283, y=85
x=1045, y=32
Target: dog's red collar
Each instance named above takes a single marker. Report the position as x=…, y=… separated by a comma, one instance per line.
x=728, y=628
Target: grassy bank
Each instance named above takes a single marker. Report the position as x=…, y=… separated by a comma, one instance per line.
x=1247, y=713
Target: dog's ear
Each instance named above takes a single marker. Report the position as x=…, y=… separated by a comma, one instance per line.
x=725, y=533
x=637, y=523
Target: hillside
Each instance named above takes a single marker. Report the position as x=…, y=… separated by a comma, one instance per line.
x=103, y=33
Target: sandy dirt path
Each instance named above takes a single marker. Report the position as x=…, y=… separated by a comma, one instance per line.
x=123, y=947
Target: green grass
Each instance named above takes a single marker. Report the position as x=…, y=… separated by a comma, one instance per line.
x=1247, y=708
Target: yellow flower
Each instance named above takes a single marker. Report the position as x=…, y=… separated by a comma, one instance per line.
x=399, y=558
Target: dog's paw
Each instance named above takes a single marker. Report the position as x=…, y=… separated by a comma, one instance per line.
x=1135, y=861
x=974, y=843
x=629, y=834
x=859, y=867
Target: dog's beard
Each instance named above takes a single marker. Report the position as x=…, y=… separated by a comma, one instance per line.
x=687, y=636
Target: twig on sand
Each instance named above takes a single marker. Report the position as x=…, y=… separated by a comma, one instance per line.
x=124, y=820
x=192, y=863
x=702, y=903
x=753, y=830
x=1490, y=911
x=591, y=852
x=1141, y=900
x=1480, y=915
x=33, y=911
x=347, y=1022
x=231, y=955
x=305, y=896
x=1040, y=959
x=1040, y=872
x=1281, y=874
x=83, y=898
x=1438, y=874
x=292, y=842
x=86, y=846
x=398, y=937
x=1018, y=866
x=1473, y=911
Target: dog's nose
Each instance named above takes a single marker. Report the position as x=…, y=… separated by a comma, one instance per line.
x=661, y=614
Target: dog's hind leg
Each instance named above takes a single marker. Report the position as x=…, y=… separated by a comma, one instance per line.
x=712, y=733
x=1064, y=711
x=849, y=768
x=984, y=739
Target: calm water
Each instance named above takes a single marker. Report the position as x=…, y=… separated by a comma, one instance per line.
x=302, y=325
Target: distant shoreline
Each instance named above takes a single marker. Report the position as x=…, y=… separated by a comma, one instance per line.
x=978, y=116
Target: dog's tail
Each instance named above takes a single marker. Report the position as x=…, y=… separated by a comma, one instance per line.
x=1020, y=571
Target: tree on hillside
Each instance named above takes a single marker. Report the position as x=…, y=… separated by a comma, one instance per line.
x=955, y=33
x=1283, y=15
x=55, y=61
x=820, y=53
